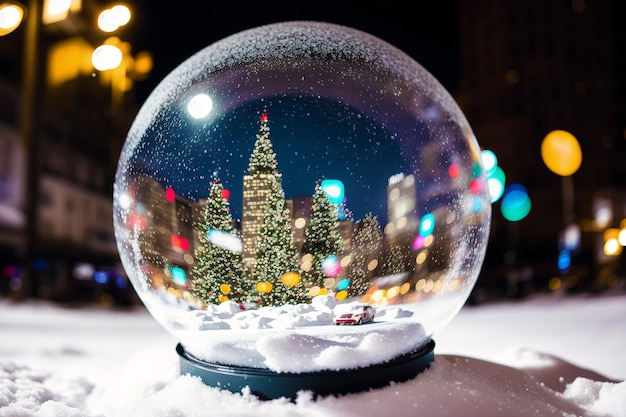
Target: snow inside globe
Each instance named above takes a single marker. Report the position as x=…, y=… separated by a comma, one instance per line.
x=301, y=198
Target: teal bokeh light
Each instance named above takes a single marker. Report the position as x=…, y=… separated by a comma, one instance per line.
x=427, y=224
x=334, y=190
x=516, y=203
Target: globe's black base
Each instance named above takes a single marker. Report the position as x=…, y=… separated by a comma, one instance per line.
x=268, y=385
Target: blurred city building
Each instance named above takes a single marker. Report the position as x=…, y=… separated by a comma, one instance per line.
x=527, y=68
x=62, y=125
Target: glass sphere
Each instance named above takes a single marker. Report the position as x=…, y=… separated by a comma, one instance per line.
x=301, y=196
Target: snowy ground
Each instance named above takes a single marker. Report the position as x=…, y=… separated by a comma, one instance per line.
x=550, y=355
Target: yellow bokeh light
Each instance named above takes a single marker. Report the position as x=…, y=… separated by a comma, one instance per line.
x=11, y=15
x=419, y=285
x=561, y=152
x=378, y=295
x=323, y=291
x=225, y=288
x=612, y=247
x=67, y=60
x=314, y=291
x=299, y=223
x=611, y=233
x=621, y=237
x=406, y=287
x=372, y=264
x=143, y=64
x=290, y=279
x=421, y=257
x=393, y=292
x=56, y=10
x=429, y=240
x=222, y=298
x=341, y=295
x=264, y=287
x=329, y=282
x=554, y=283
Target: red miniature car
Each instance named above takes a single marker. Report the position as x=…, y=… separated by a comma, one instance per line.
x=353, y=314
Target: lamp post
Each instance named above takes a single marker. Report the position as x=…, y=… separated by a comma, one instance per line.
x=29, y=133
x=37, y=14
x=562, y=154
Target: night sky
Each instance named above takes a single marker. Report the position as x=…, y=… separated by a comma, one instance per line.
x=173, y=31
x=427, y=33
x=307, y=149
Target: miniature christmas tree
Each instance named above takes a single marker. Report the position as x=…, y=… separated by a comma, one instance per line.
x=322, y=237
x=262, y=170
x=218, y=274
x=276, y=260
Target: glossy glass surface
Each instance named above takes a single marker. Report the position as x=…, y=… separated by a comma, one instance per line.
x=289, y=169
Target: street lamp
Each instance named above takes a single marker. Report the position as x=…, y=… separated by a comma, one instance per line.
x=562, y=155
x=112, y=19
x=35, y=16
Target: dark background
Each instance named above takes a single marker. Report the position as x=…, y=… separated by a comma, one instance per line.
x=517, y=69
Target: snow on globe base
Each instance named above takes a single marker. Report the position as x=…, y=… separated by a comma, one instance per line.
x=301, y=198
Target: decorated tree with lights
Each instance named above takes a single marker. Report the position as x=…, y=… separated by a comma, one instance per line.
x=395, y=260
x=276, y=261
x=367, y=246
x=263, y=159
x=219, y=273
x=322, y=236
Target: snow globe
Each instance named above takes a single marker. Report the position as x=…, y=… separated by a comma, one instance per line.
x=303, y=206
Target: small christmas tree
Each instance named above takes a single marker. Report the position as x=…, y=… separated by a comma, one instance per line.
x=218, y=274
x=367, y=245
x=322, y=237
x=276, y=260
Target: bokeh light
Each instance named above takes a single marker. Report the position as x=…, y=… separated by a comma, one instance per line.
x=516, y=203
x=335, y=190
x=561, y=152
x=427, y=224
x=291, y=279
x=453, y=171
x=11, y=16
x=490, y=161
x=200, y=106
